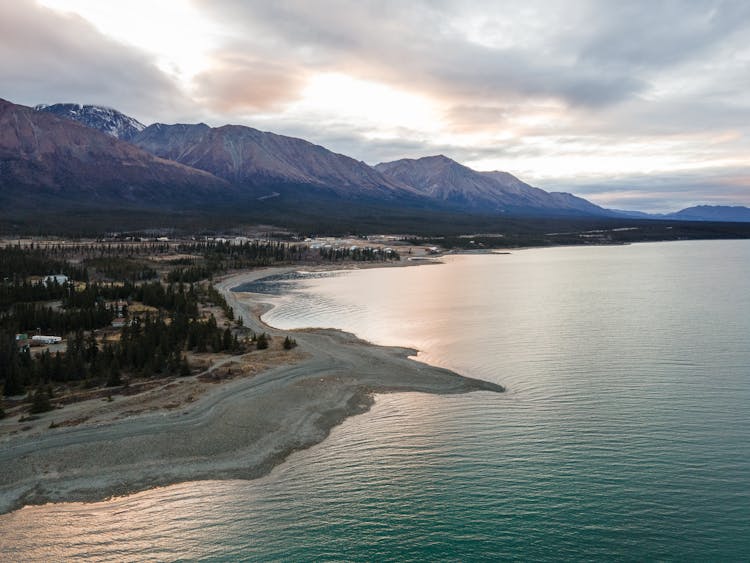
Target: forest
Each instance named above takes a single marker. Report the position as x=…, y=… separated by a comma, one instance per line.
x=129, y=309
x=152, y=344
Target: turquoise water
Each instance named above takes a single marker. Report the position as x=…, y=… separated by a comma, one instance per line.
x=624, y=433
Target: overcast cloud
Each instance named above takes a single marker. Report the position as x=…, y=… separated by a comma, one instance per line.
x=46, y=57
x=630, y=104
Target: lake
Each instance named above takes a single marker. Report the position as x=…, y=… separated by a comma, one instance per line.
x=624, y=433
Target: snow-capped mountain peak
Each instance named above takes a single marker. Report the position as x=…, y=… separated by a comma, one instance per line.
x=104, y=119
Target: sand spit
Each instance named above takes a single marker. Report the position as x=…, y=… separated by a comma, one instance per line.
x=241, y=429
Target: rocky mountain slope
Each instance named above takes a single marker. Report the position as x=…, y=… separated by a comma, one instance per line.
x=249, y=157
x=446, y=180
x=107, y=120
x=43, y=156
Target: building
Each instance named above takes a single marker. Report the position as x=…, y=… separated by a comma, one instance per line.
x=42, y=339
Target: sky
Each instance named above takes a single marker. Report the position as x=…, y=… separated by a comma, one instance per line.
x=640, y=105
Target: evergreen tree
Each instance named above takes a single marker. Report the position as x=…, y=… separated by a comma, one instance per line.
x=10, y=365
x=227, y=340
x=262, y=342
x=184, y=367
x=40, y=402
x=114, y=378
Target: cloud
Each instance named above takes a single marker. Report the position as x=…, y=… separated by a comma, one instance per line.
x=638, y=35
x=470, y=118
x=590, y=54
x=244, y=83
x=48, y=57
x=414, y=46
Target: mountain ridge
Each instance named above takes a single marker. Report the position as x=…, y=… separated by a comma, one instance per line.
x=446, y=180
x=43, y=156
x=245, y=155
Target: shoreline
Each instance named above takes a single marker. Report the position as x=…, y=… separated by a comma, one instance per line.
x=242, y=429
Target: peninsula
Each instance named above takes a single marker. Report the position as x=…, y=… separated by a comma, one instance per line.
x=240, y=429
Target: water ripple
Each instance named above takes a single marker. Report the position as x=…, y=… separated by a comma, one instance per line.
x=624, y=434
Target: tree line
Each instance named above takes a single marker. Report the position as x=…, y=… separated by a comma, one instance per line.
x=24, y=291
x=18, y=263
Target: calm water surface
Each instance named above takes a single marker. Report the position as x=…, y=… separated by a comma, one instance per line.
x=624, y=433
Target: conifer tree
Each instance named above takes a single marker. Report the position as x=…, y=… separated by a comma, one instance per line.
x=262, y=342
x=114, y=379
x=40, y=402
x=184, y=367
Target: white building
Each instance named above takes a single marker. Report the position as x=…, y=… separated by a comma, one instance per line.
x=42, y=339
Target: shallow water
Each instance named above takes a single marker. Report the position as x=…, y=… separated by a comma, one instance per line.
x=623, y=435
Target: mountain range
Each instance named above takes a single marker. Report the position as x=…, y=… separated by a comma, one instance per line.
x=98, y=156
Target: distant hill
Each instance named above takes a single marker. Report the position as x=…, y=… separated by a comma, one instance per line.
x=445, y=180
x=712, y=213
x=106, y=120
x=44, y=158
x=738, y=214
